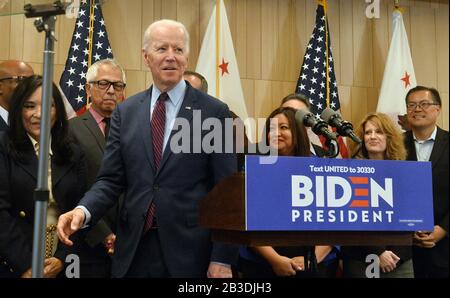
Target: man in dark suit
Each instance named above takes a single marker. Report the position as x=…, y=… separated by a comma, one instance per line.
x=11, y=72
x=105, y=87
x=158, y=233
x=427, y=142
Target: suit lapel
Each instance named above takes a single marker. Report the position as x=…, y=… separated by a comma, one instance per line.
x=3, y=124
x=145, y=125
x=438, y=147
x=186, y=111
x=31, y=164
x=93, y=128
x=410, y=146
x=59, y=171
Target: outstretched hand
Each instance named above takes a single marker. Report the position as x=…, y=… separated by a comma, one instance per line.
x=69, y=223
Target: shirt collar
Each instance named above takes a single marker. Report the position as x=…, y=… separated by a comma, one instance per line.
x=97, y=117
x=4, y=114
x=36, y=145
x=431, y=138
x=175, y=94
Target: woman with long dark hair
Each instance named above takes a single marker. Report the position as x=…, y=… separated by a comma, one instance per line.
x=19, y=150
x=286, y=137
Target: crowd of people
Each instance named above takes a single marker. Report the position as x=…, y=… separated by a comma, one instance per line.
x=121, y=200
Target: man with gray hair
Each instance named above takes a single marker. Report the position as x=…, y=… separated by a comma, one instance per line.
x=158, y=231
x=105, y=87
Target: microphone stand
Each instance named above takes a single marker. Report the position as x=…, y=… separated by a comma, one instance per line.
x=333, y=149
x=46, y=22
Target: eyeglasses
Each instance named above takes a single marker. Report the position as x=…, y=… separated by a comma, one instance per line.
x=104, y=85
x=15, y=78
x=411, y=106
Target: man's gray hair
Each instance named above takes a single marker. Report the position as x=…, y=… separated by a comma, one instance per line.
x=91, y=74
x=165, y=22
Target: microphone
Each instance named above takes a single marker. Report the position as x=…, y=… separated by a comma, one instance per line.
x=344, y=128
x=318, y=126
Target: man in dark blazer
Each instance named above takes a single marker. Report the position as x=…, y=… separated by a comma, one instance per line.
x=160, y=183
x=427, y=142
x=11, y=72
x=105, y=87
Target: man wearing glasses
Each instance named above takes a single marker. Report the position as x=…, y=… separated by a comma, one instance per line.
x=106, y=88
x=427, y=142
x=11, y=72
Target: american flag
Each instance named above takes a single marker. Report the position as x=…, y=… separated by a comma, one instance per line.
x=89, y=44
x=318, y=68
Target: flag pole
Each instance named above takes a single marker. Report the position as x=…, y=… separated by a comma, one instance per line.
x=217, y=48
x=324, y=5
x=91, y=39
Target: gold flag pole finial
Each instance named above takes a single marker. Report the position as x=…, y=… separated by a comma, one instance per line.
x=324, y=4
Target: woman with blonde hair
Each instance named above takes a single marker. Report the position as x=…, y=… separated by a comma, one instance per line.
x=395, y=148
x=382, y=140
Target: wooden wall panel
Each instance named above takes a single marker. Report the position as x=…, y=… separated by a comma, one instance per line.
x=300, y=29
x=240, y=39
x=188, y=15
x=263, y=98
x=380, y=43
x=358, y=104
x=345, y=100
x=346, y=38
x=423, y=45
x=5, y=23
x=148, y=15
x=136, y=82
x=16, y=31
x=124, y=25
x=169, y=9
x=333, y=24
x=248, y=88
x=66, y=28
x=442, y=43
x=205, y=10
x=254, y=40
x=33, y=43
x=270, y=38
x=362, y=46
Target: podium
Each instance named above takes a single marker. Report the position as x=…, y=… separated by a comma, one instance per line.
x=223, y=211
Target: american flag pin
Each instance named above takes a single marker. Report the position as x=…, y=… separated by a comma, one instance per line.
x=188, y=108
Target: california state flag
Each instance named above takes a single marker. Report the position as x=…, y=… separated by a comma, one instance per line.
x=217, y=62
x=399, y=74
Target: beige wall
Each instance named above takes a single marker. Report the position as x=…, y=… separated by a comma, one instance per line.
x=270, y=37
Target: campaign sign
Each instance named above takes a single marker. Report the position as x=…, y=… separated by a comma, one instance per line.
x=308, y=193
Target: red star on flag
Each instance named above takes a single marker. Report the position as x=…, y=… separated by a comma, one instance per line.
x=224, y=67
x=406, y=79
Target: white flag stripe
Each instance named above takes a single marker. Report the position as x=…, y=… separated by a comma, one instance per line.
x=230, y=89
x=399, y=76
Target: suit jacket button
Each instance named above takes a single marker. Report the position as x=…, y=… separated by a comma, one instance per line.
x=22, y=214
x=155, y=187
